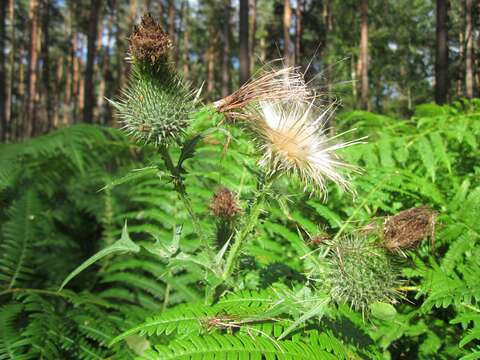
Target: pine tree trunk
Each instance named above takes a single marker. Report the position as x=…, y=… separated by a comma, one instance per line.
x=327, y=21
x=363, y=59
x=30, y=120
x=441, y=58
x=10, y=73
x=121, y=43
x=46, y=66
x=3, y=75
x=298, y=32
x=253, y=32
x=105, y=68
x=287, y=21
x=469, y=49
x=461, y=55
x=186, y=40
x=244, y=40
x=89, y=85
x=75, y=80
x=477, y=57
x=172, y=13
x=211, y=60
x=58, y=93
x=226, y=50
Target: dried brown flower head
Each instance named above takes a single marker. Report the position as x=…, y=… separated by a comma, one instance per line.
x=149, y=42
x=408, y=228
x=270, y=85
x=224, y=204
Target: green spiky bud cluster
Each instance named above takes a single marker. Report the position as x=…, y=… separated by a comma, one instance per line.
x=156, y=105
x=360, y=273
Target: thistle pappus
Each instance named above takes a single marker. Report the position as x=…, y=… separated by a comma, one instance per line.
x=293, y=139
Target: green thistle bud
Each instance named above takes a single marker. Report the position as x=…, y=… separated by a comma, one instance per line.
x=156, y=105
x=360, y=273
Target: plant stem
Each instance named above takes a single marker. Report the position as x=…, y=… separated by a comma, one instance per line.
x=252, y=218
x=179, y=187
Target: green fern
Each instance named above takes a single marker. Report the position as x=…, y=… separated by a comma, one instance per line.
x=19, y=236
x=236, y=346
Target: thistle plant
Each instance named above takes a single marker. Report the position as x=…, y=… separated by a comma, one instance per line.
x=287, y=121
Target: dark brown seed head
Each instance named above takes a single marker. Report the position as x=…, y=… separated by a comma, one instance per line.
x=224, y=205
x=149, y=43
x=408, y=228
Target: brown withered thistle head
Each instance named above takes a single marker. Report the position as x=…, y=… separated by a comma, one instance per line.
x=149, y=42
x=271, y=85
x=224, y=205
x=408, y=228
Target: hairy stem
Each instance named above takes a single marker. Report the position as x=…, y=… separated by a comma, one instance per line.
x=252, y=218
x=179, y=187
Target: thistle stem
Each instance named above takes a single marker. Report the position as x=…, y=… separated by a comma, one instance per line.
x=179, y=187
x=252, y=218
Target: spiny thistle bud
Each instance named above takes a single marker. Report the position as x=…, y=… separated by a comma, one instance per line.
x=360, y=273
x=408, y=228
x=224, y=205
x=148, y=42
x=156, y=105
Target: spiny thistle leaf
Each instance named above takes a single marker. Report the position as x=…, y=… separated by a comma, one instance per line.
x=125, y=244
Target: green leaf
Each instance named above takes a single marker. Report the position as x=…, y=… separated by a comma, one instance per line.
x=124, y=245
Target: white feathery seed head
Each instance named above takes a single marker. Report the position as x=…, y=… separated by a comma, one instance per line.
x=293, y=140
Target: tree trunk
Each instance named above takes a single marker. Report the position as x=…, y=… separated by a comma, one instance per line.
x=211, y=60
x=244, y=39
x=461, y=55
x=75, y=80
x=253, y=32
x=10, y=73
x=298, y=32
x=121, y=43
x=226, y=50
x=287, y=21
x=441, y=57
x=363, y=58
x=30, y=119
x=325, y=48
x=172, y=13
x=58, y=93
x=3, y=75
x=105, y=67
x=89, y=84
x=46, y=66
x=469, y=49
x=186, y=40
x=478, y=51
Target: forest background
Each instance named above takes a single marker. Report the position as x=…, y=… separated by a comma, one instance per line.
x=61, y=59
